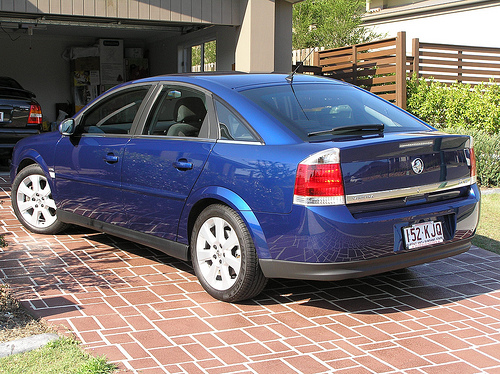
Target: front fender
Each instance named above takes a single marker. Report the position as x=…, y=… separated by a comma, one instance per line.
x=34, y=157
x=233, y=200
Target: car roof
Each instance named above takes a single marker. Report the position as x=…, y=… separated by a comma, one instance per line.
x=238, y=81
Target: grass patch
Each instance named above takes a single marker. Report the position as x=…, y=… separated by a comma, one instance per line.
x=15, y=321
x=64, y=355
x=60, y=356
x=488, y=234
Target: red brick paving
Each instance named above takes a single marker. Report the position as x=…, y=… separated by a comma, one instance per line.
x=147, y=312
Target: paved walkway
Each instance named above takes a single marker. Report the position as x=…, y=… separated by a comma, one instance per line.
x=146, y=311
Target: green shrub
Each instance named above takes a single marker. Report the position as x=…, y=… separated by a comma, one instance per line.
x=456, y=106
x=462, y=109
x=487, y=151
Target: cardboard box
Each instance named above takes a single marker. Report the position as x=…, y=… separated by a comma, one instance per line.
x=111, y=61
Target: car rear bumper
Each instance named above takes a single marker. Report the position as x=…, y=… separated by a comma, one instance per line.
x=9, y=137
x=357, y=269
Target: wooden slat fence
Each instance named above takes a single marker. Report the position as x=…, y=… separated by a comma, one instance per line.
x=382, y=67
x=451, y=63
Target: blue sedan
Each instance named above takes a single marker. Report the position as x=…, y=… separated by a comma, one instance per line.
x=254, y=176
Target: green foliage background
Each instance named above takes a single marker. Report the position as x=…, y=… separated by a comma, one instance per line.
x=463, y=109
x=329, y=24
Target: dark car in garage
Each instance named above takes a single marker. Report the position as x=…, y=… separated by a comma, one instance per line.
x=20, y=115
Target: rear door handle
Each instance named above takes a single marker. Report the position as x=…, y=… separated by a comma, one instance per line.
x=183, y=164
x=110, y=158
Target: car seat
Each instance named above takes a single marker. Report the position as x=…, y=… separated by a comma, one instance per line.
x=189, y=113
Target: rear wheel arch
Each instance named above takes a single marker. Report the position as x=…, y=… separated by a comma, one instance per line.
x=223, y=255
x=205, y=197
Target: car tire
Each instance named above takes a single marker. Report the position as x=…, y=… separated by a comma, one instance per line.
x=33, y=203
x=224, y=257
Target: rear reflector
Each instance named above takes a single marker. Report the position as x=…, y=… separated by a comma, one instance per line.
x=472, y=157
x=35, y=117
x=319, y=180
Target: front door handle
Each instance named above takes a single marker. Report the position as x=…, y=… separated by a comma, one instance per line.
x=110, y=158
x=183, y=164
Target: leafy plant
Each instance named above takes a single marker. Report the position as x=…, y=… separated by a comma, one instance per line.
x=459, y=105
x=462, y=109
x=329, y=24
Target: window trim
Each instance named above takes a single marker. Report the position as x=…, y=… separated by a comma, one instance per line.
x=155, y=95
x=256, y=135
x=79, y=117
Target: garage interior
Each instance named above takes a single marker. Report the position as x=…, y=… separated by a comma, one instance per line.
x=40, y=44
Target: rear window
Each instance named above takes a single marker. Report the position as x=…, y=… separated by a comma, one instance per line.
x=9, y=82
x=311, y=108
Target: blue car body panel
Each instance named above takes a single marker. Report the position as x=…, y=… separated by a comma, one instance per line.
x=89, y=176
x=155, y=186
x=154, y=189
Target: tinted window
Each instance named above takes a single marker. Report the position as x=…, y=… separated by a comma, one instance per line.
x=9, y=82
x=178, y=111
x=309, y=108
x=115, y=114
x=231, y=127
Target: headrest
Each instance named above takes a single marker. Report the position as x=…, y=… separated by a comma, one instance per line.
x=190, y=109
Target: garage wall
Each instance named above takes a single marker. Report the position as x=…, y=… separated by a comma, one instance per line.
x=164, y=54
x=193, y=11
x=38, y=67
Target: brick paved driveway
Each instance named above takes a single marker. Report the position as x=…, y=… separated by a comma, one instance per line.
x=146, y=311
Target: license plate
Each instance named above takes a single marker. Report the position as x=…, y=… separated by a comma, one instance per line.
x=423, y=234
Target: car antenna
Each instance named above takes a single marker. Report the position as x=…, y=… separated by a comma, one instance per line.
x=289, y=78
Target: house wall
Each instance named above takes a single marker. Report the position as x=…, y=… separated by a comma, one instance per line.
x=191, y=11
x=165, y=54
x=472, y=27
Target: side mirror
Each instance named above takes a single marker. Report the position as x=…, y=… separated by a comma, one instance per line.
x=67, y=127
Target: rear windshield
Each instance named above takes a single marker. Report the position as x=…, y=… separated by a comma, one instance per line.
x=9, y=82
x=311, y=108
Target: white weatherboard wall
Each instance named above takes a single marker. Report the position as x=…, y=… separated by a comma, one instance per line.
x=193, y=11
x=477, y=27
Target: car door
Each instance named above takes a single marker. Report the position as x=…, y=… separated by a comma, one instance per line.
x=88, y=164
x=162, y=163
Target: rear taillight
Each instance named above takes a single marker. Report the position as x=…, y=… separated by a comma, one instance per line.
x=35, y=117
x=319, y=180
x=472, y=157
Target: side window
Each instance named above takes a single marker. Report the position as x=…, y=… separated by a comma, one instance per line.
x=178, y=111
x=230, y=126
x=116, y=114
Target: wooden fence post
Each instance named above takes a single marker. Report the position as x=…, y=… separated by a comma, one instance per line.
x=401, y=70
x=415, y=51
x=460, y=66
x=315, y=58
x=354, y=65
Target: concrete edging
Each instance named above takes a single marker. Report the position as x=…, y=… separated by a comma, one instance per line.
x=26, y=344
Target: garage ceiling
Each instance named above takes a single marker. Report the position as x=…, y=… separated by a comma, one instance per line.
x=93, y=27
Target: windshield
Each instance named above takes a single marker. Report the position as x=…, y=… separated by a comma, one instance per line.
x=317, y=108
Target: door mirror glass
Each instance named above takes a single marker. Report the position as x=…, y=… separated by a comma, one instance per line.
x=67, y=127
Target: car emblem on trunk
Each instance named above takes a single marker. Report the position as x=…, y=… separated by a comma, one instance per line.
x=417, y=165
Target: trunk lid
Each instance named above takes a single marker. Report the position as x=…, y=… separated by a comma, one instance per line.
x=412, y=168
